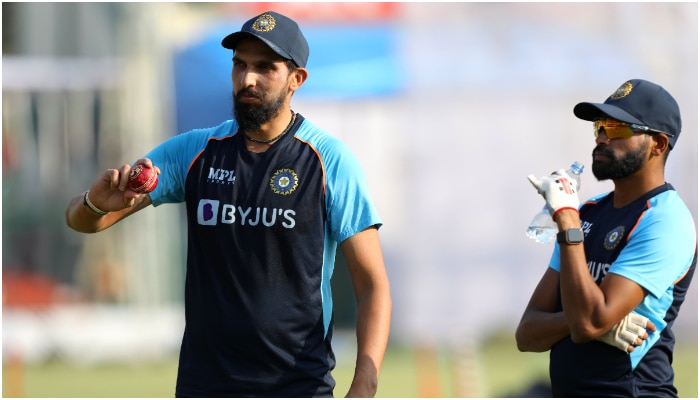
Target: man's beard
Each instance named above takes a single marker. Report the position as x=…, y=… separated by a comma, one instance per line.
x=250, y=117
x=618, y=167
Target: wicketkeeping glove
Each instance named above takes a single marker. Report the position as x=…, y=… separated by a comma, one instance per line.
x=558, y=190
x=625, y=333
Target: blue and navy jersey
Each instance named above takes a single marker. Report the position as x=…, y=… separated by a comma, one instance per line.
x=262, y=235
x=653, y=242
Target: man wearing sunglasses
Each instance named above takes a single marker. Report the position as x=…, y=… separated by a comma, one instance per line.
x=624, y=260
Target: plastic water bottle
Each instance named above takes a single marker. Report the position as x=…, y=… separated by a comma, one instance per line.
x=543, y=228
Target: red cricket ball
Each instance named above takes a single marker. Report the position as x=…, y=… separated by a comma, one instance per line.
x=142, y=179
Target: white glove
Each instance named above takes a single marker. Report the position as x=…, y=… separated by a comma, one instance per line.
x=558, y=190
x=625, y=333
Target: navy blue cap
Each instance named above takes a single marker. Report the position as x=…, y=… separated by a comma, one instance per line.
x=638, y=102
x=277, y=31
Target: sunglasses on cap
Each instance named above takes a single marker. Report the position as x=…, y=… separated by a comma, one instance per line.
x=616, y=129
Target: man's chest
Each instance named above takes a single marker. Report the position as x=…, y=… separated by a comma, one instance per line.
x=606, y=231
x=256, y=188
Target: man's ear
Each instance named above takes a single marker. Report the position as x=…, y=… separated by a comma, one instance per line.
x=298, y=77
x=661, y=144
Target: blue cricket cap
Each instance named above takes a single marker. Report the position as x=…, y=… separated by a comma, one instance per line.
x=638, y=102
x=277, y=31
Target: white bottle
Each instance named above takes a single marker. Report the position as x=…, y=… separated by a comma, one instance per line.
x=543, y=228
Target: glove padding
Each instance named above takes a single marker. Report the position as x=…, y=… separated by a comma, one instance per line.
x=625, y=333
x=559, y=191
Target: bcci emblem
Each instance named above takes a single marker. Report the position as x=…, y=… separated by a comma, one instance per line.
x=613, y=238
x=284, y=181
x=622, y=91
x=264, y=23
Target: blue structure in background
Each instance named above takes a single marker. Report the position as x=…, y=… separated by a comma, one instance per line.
x=348, y=62
x=353, y=62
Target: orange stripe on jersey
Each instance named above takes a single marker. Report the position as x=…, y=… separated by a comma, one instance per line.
x=636, y=224
x=323, y=167
x=195, y=158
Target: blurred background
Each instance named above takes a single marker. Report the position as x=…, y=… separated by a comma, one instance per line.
x=448, y=106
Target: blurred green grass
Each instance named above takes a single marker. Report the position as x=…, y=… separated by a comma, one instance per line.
x=496, y=369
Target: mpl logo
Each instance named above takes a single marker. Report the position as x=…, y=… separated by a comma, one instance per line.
x=207, y=212
x=221, y=176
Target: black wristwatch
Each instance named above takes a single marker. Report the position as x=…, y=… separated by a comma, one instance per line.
x=570, y=236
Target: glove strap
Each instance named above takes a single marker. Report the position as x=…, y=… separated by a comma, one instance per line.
x=554, y=216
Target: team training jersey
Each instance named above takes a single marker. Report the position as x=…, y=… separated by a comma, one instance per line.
x=262, y=235
x=652, y=242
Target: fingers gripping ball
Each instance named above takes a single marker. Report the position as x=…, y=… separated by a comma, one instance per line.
x=142, y=179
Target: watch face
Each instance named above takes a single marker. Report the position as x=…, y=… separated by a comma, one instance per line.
x=570, y=236
x=574, y=235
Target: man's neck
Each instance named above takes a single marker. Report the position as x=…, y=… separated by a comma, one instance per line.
x=274, y=127
x=270, y=132
x=635, y=186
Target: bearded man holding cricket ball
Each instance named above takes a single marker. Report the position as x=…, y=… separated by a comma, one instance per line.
x=269, y=197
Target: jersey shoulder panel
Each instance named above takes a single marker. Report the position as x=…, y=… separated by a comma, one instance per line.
x=175, y=156
x=348, y=201
x=667, y=224
x=327, y=146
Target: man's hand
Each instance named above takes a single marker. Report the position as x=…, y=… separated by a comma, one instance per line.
x=364, y=384
x=111, y=192
x=111, y=198
x=628, y=333
x=558, y=190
